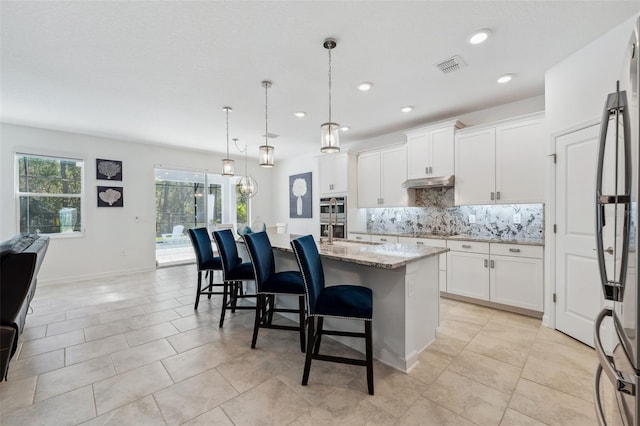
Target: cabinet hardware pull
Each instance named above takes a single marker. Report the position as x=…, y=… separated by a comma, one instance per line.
x=493, y=264
x=498, y=195
x=426, y=170
x=383, y=239
x=420, y=243
x=486, y=263
x=512, y=250
x=492, y=196
x=430, y=170
x=466, y=246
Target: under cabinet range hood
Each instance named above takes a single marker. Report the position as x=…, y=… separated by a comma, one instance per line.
x=430, y=182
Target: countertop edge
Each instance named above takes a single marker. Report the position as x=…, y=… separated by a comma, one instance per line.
x=529, y=242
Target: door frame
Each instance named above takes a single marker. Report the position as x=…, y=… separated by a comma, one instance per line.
x=549, y=316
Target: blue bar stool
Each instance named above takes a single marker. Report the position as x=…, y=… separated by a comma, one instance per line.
x=234, y=272
x=206, y=262
x=339, y=301
x=269, y=284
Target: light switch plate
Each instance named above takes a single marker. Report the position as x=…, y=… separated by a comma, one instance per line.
x=472, y=218
x=517, y=218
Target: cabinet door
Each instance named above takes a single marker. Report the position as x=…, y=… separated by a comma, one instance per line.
x=467, y=274
x=475, y=167
x=394, y=172
x=384, y=239
x=369, y=179
x=417, y=155
x=442, y=158
x=520, y=162
x=333, y=170
x=517, y=281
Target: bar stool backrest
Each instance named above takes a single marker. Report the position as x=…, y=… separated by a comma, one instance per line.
x=261, y=253
x=311, y=269
x=201, y=245
x=227, y=249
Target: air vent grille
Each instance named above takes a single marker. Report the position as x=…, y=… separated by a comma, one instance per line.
x=452, y=64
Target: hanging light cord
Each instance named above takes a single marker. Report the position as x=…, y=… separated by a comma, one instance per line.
x=329, y=89
x=266, y=121
x=235, y=142
x=227, y=109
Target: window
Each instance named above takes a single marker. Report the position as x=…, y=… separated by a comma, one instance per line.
x=49, y=193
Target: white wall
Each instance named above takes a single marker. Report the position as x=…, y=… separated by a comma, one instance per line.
x=108, y=231
x=280, y=193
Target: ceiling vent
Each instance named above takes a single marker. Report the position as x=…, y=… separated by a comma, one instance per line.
x=452, y=64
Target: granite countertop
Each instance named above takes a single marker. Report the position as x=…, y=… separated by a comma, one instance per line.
x=386, y=256
x=460, y=237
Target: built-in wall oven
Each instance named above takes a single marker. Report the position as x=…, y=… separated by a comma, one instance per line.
x=338, y=211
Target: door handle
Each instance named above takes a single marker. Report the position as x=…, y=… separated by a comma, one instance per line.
x=498, y=195
x=492, y=263
x=514, y=250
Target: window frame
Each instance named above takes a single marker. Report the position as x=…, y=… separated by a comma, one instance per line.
x=18, y=194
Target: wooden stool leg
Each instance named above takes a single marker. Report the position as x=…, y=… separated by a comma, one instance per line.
x=210, y=283
x=307, y=362
x=318, y=339
x=256, y=323
x=198, y=289
x=369, y=350
x=225, y=291
x=301, y=319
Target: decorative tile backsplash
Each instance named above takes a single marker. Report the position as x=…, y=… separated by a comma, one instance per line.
x=438, y=215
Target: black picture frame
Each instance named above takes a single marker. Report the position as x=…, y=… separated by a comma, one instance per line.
x=108, y=169
x=110, y=196
x=300, y=196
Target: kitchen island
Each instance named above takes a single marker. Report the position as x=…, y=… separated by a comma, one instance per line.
x=404, y=281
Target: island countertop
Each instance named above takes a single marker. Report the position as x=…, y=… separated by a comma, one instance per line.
x=386, y=256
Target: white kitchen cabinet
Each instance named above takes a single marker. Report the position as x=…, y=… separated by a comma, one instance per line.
x=468, y=269
x=380, y=177
x=359, y=237
x=384, y=238
x=501, y=163
x=334, y=173
x=509, y=274
x=430, y=150
x=442, y=258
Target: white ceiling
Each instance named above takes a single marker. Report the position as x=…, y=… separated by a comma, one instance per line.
x=160, y=72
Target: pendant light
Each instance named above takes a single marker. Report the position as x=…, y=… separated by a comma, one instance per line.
x=227, y=163
x=266, y=151
x=247, y=186
x=329, y=136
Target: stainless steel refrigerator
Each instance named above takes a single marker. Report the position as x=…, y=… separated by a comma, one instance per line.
x=617, y=194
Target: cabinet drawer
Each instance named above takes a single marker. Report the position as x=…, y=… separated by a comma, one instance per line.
x=469, y=246
x=433, y=242
x=517, y=250
x=359, y=237
x=384, y=239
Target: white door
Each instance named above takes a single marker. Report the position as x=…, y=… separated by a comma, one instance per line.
x=442, y=156
x=417, y=155
x=369, y=179
x=468, y=274
x=578, y=289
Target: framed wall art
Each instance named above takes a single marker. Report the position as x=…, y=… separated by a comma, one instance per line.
x=300, y=196
x=108, y=169
x=110, y=196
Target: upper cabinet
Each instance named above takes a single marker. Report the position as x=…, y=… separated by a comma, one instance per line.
x=334, y=173
x=504, y=163
x=430, y=150
x=380, y=177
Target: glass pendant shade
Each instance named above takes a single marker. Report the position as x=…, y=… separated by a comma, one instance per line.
x=247, y=186
x=330, y=137
x=266, y=156
x=227, y=167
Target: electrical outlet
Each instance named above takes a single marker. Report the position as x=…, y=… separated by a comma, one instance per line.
x=398, y=217
x=472, y=218
x=517, y=218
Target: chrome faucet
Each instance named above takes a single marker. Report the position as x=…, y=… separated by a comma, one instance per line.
x=332, y=202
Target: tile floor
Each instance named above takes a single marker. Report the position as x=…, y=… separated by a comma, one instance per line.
x=132, y=350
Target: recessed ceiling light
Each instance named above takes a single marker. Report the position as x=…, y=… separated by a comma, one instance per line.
x=479, y=36
x=299, y=114
x=345, y=128
x=406, y=109
x=364, y=86
x=505, y=78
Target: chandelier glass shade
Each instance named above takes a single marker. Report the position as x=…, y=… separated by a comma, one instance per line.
x=247, y=186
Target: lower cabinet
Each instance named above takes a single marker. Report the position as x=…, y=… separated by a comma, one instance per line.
x=442, y=258
x=384, y=238
x=359, y=237
x=509, y=274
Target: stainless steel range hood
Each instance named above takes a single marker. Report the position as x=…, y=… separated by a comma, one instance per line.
x=431, y=182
